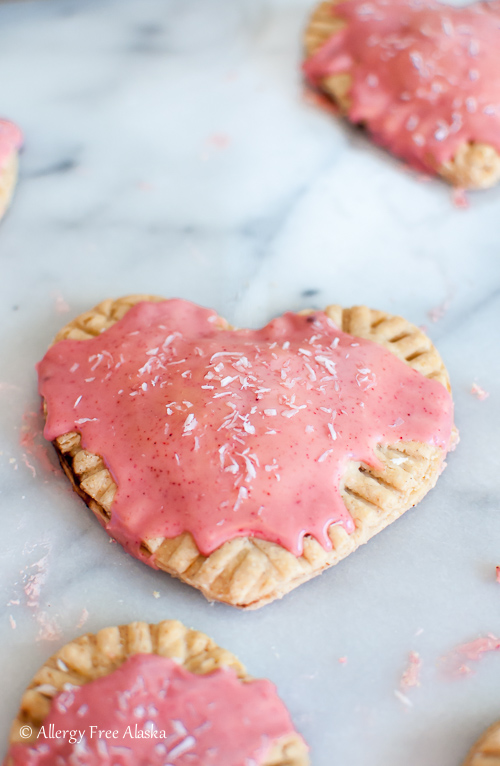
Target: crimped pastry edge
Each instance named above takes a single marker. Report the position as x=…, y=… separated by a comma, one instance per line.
x=249, y=572
x=475, y=165
x=486, y=751
x=8, y=179
x=92, y=656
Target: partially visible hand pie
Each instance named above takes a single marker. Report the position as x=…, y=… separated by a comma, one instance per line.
x=423, y=77
x=11, y=140
x=486, y=751
x=151, y=695
x=245, y=462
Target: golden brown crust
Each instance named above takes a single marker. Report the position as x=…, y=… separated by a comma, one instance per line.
x=8, y=178
x=322, y=25
x=249, y=572
x=92, y=656
x=474, y=166
x=486, y=751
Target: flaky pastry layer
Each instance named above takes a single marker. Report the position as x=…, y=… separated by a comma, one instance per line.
x=248, y=572
x=95, y=655
x=474, y=166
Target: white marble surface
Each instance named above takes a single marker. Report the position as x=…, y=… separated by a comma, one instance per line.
x=169, y=149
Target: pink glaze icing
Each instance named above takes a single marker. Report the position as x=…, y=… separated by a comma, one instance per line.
x=225, y=433
x=11, y=140
x=425, y=76
x=151, y=712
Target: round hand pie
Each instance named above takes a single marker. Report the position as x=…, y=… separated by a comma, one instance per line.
x=10, y=142
x=151, y=695
x=245, y=462
x=423, y=77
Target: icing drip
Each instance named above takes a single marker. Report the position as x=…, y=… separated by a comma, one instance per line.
x=425, y=76
x=224, y=433
x=151, y=712
x=11, y=140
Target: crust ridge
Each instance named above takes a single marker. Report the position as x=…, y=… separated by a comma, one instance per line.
x=486, y=751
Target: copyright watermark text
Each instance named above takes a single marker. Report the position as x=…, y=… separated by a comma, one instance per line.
x=75, y=736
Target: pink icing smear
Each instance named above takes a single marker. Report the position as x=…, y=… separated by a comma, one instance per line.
x=11, y=140
x=151, y=712
x=425, y=76
x=411, y=676
x=224, y=433
x=454, y=662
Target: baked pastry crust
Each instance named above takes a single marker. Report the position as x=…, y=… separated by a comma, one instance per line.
x=92, y=656
x=486, y=751
x=248, y=572
x=474, y=166
x=8, y=178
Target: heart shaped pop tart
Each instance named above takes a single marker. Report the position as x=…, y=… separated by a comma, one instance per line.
x=423, y=77
x=245, y=461
x=151, y=695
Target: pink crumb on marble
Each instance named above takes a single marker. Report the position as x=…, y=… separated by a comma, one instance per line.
x=61, y=306
x=48, y=629
x=83, y=618
x=479, y=392
x=497, y=573
x=342, y=660
x=438, y=312
x=464, y=670
x=33, y=581
x=460, y=199
x=220, y=140
x=411, y=676
x=473, y=651
x=34, y=444
x=29, y=465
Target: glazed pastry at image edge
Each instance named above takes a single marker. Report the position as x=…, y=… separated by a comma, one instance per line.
x=486, y=751
x=11, y=140
x=165, y=694
x=245, y=462
x=422, y=77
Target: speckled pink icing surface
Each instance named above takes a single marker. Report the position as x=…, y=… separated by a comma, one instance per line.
x=224, y=433
x=425, y=76
x=11, y=140
x=152, y=712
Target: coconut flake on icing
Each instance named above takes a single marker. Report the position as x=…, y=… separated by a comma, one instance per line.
x=152, y=712
x=11, y=140
x=224, y=433
x=425, y=76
